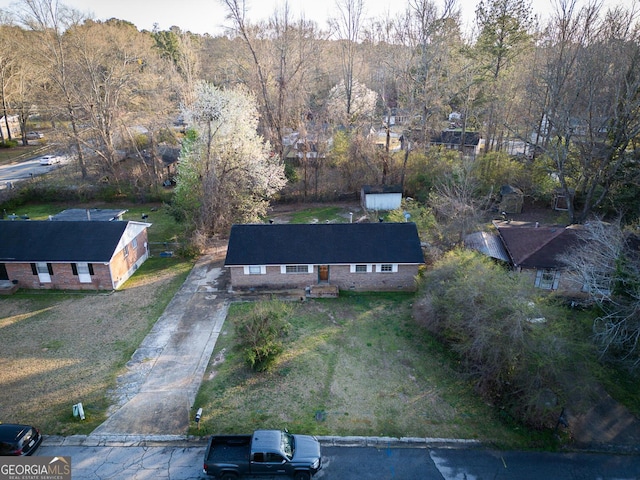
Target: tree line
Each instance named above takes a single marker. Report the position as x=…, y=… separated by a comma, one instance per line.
x=556, y=103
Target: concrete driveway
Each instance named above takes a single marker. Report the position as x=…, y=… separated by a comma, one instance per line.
x=156, y=394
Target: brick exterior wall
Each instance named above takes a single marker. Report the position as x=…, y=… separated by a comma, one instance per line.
x=340, y=275
x=566, y=285
x=123, y=267
x=63, y=278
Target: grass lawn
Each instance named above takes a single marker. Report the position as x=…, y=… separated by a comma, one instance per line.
x=357, y=365
x=61, y=348
x=163, y=226
x=19, y=153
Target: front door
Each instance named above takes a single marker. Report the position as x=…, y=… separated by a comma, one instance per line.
x=323, y=273
x=3, y=272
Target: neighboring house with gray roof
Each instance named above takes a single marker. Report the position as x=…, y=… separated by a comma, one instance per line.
x=532, y=249
x=89, y=214
x=71, y=255
x=347, y=256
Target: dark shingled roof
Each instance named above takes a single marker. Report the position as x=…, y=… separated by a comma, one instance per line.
x=539, y=246
x=45, y=241
x=382, y=189
x=333, y=243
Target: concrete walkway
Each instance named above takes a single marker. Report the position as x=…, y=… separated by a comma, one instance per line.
x=156, y=394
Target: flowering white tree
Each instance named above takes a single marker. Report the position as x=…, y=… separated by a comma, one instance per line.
x=362, y=105
x=226, y=173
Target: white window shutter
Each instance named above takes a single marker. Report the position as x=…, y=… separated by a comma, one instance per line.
x=538, y=277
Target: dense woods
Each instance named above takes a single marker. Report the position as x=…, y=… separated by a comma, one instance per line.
x=357, y=101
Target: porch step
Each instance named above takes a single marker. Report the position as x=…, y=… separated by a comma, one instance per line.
x=323, y=291
x=7, y=287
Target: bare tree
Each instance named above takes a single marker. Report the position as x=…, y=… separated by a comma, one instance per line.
x=456, y=203
x=50, y=19
x=282, y=51
x=348, y=28
x=504, y=36
x=181, y=49
x=13, y=76
x=607, y=265
x=112, y=61
x=590, y=113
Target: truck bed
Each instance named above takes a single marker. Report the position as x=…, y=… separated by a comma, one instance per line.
x=229, y=449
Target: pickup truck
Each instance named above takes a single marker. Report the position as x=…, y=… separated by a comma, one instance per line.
x=266, y=452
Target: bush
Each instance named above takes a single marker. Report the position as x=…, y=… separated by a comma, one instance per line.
x=482, y=312
x=261, y=332
x=8, y=144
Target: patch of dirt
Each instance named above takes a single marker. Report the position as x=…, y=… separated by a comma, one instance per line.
x=604, y=423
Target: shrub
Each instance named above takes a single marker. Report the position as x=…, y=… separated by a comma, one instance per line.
x=8, y=144
x=261, y=332
x=482, y=312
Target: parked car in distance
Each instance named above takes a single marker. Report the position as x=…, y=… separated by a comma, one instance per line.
x=34, y=135
x=49, y=160
x=16, y=439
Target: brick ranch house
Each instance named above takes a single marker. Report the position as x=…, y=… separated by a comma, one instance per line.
x=345, y=256
x=71, y=255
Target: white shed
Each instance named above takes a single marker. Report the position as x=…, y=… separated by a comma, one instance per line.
x=381, y=197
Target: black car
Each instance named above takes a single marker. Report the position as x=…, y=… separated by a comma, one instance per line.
x=18, y=439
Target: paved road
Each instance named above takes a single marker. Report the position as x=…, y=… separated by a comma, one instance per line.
x=95, y=458
x=15, y=172
x=156, y=394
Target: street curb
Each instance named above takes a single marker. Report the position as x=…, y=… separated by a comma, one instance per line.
x=124, y=441
x=192, y=441
x=187, y=441
x=406, y=442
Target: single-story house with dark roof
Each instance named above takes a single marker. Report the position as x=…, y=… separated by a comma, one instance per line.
x=452, y=139
x=348, y=256
x=381, y=197
x=68, y=255
x=532, y=249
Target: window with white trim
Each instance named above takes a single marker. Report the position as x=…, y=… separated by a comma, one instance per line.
x=360, y=268
x=134, y=242
x=126, y=251
x=297, y=269
x=84, y=272
x=255, y=269
x=547, y=279
x=43, y=270
x=387, y=267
